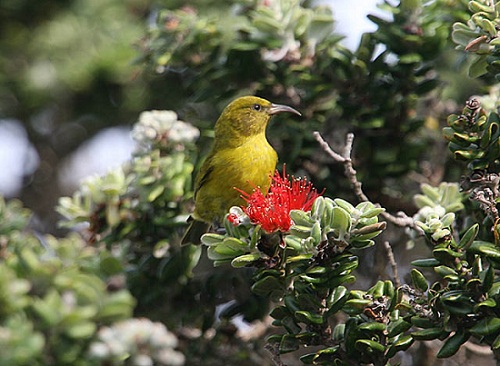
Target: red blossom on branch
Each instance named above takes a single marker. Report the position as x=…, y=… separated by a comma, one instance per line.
x=272, y=211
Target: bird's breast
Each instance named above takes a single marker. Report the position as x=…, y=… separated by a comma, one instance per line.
x=249, y=165
x=259, y=161
x=245, y=167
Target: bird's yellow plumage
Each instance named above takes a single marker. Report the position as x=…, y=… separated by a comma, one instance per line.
x=241, y=157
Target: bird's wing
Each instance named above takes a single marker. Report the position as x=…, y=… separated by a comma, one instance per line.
x=203, y=177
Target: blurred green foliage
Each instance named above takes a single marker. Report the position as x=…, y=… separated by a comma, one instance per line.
x=54, y=293
x=77, y=46
x=135, y=209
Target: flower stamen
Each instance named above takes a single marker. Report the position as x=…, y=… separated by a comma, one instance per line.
x=272, y=211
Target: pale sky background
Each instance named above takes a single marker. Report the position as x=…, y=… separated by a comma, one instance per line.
x=112, y=146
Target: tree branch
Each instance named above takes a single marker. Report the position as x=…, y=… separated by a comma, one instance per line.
x=392, y=262
x=401, y=219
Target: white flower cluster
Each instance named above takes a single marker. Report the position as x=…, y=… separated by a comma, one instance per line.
x=436, y=209
x=138, y=342
x=153, y=125
x=434, y=221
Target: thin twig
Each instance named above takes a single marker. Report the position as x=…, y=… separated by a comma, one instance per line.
x=275, y=354
x=401, y=219
x=392, y=262
x=327, y=148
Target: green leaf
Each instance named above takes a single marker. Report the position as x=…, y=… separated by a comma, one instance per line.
x=462, y=34
x=377, y=290
x=288, y=344
x=372, y=212
x=322, y=357
x=389, y=289
x=308, y=359
x=453, y=344
x=313, y=280
x=339, y=280
x=485, y=248
x=355, y=306
x=446, y=255
x=275, y=338
x=49, y=308
x=346, y=264
x=116, y=306
x=317, y=270
x=228, y=249
x=494, y=290
x=292, y=303
x=155, y=193
x=373, y=326
x=245, y=46
x=486, y=327
x=423, y=201
x=344, y=204
x=488, y=303
x=427, y=262
x=402, y=344
x=410, y=58
x=363, y=244
x=82, y=330
x=245, y=260
x=298, y=258
x=431, y=192
x=338, y=332
x=469, y=236
x=300, y=231
x=369, y=345
x=419, y=280
x=397, y=327
x=111, y=265
x=338, y=298
x=368, y=231
x=496, y=343
x=327, y=217
x=458, y=302
x=212, y=239
x=267, y=285
x=420, y=322
x=290, y=324
x=477, y=7
x=444, y=271
x=308, y=318
x=301, y=218
x=478, y=66
x=428, y=334
x=233, y=244
x=279, y=312
x=341, y=221
x=317, y=210
x=487, y=279
x=294, y=242
x=316, y=232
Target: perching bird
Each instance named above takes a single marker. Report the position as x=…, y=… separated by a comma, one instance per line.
x=241, y=157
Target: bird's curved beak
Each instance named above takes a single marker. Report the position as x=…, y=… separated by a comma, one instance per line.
x=280, y=108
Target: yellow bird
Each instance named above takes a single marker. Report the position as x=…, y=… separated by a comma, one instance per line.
x=241, y=157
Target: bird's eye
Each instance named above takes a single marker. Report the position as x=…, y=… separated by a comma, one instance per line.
x=257, y=107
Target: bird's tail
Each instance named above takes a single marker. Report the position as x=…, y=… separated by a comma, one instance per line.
x=194, y=232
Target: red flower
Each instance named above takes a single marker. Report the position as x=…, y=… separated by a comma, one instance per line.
x=272, y=211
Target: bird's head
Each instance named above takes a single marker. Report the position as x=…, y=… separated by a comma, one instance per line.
x=248, y=116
